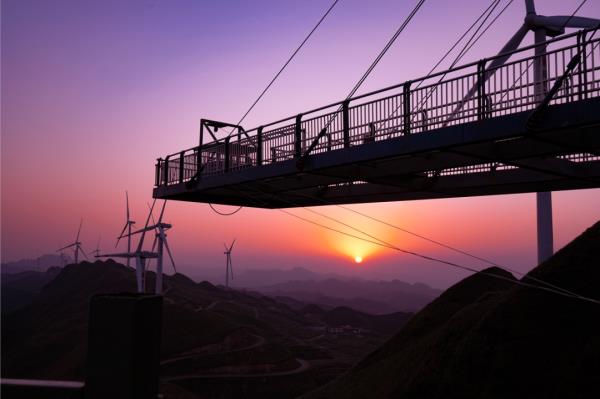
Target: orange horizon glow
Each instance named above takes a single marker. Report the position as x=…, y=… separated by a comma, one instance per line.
x=106, y=104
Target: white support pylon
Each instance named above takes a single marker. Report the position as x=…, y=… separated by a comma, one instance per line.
x=545, y=240
x=159, y=266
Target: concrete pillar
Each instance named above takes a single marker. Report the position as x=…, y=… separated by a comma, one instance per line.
x=124, y=346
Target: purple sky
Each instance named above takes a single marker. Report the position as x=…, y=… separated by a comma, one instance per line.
x=94, y=91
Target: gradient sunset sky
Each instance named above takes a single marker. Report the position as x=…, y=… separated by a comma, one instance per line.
x=94, y=91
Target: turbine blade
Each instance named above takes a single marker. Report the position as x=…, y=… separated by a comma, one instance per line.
x=511, y=45
x=138, y=231
x=68, y=246
x=121, y=235
x=127, y=204
x=230, y=267
x=231, y=247
x=170, y=255
x=570, y=22
x=79, y=231
x=153, y=221
x=529, y=7
x=117, y=255
x=83, y=252
x=153, y=246
x=162, y=212
x=141, y=243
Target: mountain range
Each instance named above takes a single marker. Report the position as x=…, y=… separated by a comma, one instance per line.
x=490, y=337
x=377, y=297
x=40, y=264
x=211, y=335
x=256, y=278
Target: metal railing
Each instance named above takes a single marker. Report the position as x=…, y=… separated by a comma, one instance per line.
x=460, y=95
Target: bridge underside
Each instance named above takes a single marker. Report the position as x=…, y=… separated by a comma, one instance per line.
x=488, y=157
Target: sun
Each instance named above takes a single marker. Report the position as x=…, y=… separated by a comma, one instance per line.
x=358, y=259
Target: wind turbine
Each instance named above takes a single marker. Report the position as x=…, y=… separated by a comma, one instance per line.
x=127, y=227
x=76, y=245
x=161, y=239
x=96, y=251
x=228, y=265
x=542, y=26
x=139, y=255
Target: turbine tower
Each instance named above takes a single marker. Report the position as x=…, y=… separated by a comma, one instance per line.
x=228, y=265
x=139, y=255
x=127, y=227
x=542, y=26
x=96, y=251
x=63, y=260
x=160, y=238
x=76, y=245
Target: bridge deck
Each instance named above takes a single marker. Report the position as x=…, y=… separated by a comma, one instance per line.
x=463, y=132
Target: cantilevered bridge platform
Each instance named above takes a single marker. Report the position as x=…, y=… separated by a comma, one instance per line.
x=473, y=130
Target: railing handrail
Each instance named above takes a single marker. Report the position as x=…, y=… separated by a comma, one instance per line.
x=447, y=71
x=295, y=123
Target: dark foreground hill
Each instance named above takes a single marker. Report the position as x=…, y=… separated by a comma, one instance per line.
x=215, y=342
x=488, y=338
x=19, y=289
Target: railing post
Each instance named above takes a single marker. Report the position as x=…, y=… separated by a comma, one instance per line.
x=157, y=172
x=406, y=107
x=201, y=138
x=199, y=154
x=166, y=171
x=346, y=123
x=481, y=90
x=259, y=144
x=298, y=137
x=424, y=121
x=227, y=140
x=181, y=166
x=581, y=47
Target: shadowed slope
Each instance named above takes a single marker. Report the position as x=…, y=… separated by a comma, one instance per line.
x=488, y=338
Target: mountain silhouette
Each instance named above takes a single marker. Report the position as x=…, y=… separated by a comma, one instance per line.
x=489, y=338
x=20, y=288
x=379, y=297
x=207, y=331
x=40, y=264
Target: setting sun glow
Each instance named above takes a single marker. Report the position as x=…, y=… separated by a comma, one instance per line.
x=358, y=259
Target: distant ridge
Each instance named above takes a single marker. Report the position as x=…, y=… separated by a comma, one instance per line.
x=260, y=277
x=40, y=264
x=377, y=297
x=488, y=338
